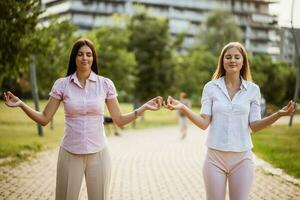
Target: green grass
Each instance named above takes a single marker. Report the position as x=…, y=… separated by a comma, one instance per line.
x=18, y=134
x=19, y=139
x=280, y=146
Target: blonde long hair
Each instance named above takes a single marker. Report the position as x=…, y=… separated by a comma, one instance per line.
x=245, y=71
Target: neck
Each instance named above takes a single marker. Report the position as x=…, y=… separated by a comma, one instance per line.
x=82, y=76
x=233, y=79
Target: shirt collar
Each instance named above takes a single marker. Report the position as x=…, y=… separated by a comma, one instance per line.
x=244, y=83
x=221, y=82
x=92, y=77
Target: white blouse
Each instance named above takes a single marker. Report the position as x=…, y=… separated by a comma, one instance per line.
x=229, y=128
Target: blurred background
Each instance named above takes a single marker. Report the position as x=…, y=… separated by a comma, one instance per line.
x=148, y=48
x=171, y=46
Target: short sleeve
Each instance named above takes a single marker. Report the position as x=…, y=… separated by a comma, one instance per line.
x=206, y=101
x=255, y=109
x=109, y=89
x=58, y=89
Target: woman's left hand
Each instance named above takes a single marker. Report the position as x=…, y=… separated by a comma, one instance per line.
x=289, y=109
x=154, y=104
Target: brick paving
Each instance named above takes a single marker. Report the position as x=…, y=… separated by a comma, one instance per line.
x=147, y=164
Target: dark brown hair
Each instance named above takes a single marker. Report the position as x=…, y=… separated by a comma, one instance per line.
x=72, y=61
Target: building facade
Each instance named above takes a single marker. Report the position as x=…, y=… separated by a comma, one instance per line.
x=260, y=28
x=287, y=44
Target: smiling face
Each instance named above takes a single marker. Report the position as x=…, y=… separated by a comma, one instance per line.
x=84, y=58
x=233, y=61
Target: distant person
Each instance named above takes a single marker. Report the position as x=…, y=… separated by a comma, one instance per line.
x=108, y=121
x=137, y=104
x=230, y=106
x=262, y=106
x=83, y=151
x=183, y=123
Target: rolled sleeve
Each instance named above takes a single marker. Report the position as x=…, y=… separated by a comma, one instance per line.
x=57, y=89
x=206, y=102
x=110, y=89
x=255, y=108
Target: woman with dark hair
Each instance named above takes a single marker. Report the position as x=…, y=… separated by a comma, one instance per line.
x=230, y=105
x=83, y=151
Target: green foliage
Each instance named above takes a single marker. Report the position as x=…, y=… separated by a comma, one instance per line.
x=195, y=68
x=51, y=46
x=17, y=20
x=21, y=37
x=114, y=60
x=219, y=29
x=150, y=42
x=178, y=41
x=194, y=71
x=276, y=79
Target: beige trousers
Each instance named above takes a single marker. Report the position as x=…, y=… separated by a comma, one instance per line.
x=71, y=168
x=236, y=168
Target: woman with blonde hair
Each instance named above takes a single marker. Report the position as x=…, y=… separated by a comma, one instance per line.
x=230, y=106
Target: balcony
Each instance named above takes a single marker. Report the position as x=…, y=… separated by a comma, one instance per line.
x=260, y=48
x=191, y=4
x=57, y=9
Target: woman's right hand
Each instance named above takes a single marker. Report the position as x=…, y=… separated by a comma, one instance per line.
x=173, y=104
x=11, y=100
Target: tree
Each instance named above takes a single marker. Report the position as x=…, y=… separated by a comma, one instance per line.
x=150, y=42
x=51, y=47
x=194, y=71
x=219, y=29
x=18, y=19
x=114, y=59
x=273, y=78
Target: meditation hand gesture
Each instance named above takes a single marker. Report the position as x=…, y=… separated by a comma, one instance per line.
x=288, y=109
x=11, y=100
x=154, y=104
x=173, y=104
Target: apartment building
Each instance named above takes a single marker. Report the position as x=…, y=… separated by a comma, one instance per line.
x=260, y=28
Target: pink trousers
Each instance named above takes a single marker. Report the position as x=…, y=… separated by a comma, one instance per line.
x=236, y=168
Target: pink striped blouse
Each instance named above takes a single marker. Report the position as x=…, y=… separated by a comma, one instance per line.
x=84, y=110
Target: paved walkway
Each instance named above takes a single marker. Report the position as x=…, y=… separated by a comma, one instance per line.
x=152, y=164
x=285, y=120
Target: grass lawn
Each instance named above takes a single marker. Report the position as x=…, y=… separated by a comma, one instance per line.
x=280, y=146
x=19, y=138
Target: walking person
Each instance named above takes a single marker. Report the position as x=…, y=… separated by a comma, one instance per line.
x=83, y=151
x=263, y=106
x=230, y=105
x=183, y=123
x=109, y=121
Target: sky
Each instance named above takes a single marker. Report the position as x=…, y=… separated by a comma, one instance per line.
x=283, y=9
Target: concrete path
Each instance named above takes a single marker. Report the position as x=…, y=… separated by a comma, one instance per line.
x=151, y=164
